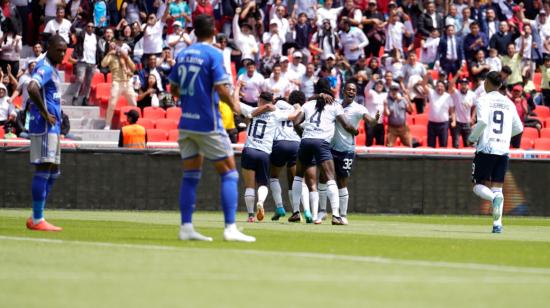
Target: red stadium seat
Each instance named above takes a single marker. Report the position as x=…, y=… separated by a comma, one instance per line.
x=435, y=74
x=545, y=133
x=361, y=126
x=125, y=109
x=530, y=132
x=542, y=144
x=156, y=135
x=542, y=112
x=420, y=119
x=65, y=64
x=361, y=139
x=109, y=78
x=242, y=137
x=18, y=101
x=2, y=132
x=154, y=113
x=102, y=92
x=146, y=123
x=418, y=130
x=173, y=135
x=173, y=113
x=166, y=124
x=526, y=143
x=97, y=78
x=546, y=122
x=537, y=80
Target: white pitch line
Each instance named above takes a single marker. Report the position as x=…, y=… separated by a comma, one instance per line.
x=324, y=256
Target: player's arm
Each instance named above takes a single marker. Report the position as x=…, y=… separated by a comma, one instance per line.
x=372, y=121
x=346, y=125
x=480, y=125
x=294, y=114
x=262, y=109
x=517, y=125
x=225, y=95
x=34, y=94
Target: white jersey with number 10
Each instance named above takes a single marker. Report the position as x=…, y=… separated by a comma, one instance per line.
x=502, y=122
x=320, y=124
x=262, y=128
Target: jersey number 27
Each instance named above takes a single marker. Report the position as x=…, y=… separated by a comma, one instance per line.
x=188, y=88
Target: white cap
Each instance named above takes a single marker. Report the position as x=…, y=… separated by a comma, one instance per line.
x=273, y=21
x=283, y=59
x=330, y=55
x=176, y=23
x=297, y=54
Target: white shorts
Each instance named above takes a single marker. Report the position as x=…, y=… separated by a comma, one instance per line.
x=45, y=149
x=214, y=146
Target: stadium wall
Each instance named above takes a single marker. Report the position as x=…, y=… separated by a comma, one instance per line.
x=149, y=180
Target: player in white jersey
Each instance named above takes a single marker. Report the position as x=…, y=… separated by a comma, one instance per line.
x=255, y=157
x=343, y=152
x=284, y=153
x=497, y=123
x=318, y=121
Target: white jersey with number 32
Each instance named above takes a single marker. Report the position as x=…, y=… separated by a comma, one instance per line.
x=502, y=122
x=343, y=141
x=262, y=128
x=320, y=124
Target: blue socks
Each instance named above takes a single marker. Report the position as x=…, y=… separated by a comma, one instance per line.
x=39, y=192
x=230, y=195
x=188, y=191
x=51, y=180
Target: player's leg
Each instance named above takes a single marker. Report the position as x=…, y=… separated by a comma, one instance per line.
x=276, y=192
x=481, y=175
x=249, y=192
x=320, y=214
x=310, y=189
x=325, y=159
x=305, y=158
x=262, y=180
x=343, y=163
x=115, y=93
x=342, y=182
x=498, y=175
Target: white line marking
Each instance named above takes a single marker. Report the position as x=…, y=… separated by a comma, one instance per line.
x=324, y=256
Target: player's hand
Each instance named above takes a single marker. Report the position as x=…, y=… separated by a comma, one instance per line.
x=50, y=118
x=453, y=124
x=328, y=99
x=271, y=107
x=471, y=144
x=377, y=117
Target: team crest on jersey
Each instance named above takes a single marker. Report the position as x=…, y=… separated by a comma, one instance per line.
x=40, y=71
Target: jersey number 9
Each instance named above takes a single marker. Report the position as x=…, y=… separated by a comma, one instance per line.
x=498, y=118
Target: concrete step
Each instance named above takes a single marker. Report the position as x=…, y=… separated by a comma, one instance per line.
x=63, y=86
x=96, y=134
x=78, y=112
x=87, y=123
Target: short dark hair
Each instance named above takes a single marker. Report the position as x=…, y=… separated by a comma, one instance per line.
x=297, y=97
x=506, y=69
x=204, y=26
x=474, y=23
x=494, y=78
x=56, y=39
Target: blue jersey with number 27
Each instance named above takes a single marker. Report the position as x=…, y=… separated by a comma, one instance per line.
x=198, y=69
x=47, y=78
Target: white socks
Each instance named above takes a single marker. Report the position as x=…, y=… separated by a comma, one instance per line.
x=305, y=197
x=344, y=198
x=262, y=194
x=296, y=193
x=322, y=188
x=332, y=193
x=498, y=192
x=484, y=192
x=314, y=200
x=276, y=192
x=249, y=198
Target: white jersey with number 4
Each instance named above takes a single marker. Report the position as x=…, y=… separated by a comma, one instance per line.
x=343, y=141
x=285, y=131
x=320, y=124
x=502, y=122
x=262, y=128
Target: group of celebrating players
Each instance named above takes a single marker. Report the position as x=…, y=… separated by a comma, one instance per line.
x=301, y=135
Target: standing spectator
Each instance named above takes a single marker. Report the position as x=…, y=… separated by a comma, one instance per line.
x=374, y=102
x=453, y=18
x=289, y=75
x=50, y=9
x=494, y=61
x=8, y=112
x=303, y=33
x=180, y=11
x=521, y=107
x=274, y=38
x=428, y=53
x=465, y=23
x=429, y=21
x=87, y=55
x=545, y=85
x=152, y=35
x=373, y=22
x=441, y=109
x=450, y=51
x=178, y=40
x=251, y=84
x=513, y=60
x=244, y=39
x=396, y=108
x=352, y=41
x=325, y=40
x=351, y=13
x=463, y=101
x=309, y=7
x=413, y=68
x=104, y=43
x=23, y=10
x=480, y=67
x=490, y=24
x=327, y=12
x=227, y=52
x=133, y=135
x=532, y=52
x=203, y=7
x=10, y=47
x=280, y=20
x=395, y=31
x=100, y=14
x=59, y=25
x=37, y=51
x=308, y=81
x=502, y=38
x=132, y=11
x=474, y=41
x=277, y=84
x=297, y=68
x=121, y=66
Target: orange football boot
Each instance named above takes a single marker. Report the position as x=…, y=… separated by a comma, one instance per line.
x=43, y=225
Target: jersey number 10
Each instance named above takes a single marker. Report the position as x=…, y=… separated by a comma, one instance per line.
x=257, y=129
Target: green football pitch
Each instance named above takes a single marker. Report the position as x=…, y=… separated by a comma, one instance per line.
x=133, y=259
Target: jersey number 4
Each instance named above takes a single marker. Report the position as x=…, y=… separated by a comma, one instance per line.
x=316, y=118
x=498, y=118
x=256, y=129
x=188, y=88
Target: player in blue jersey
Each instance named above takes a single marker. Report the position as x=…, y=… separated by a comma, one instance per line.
x=44, y=130
x=197, y=78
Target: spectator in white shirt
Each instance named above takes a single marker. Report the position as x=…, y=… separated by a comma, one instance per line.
x=178, y=40
x=274, y=38
x=306, y=6
x=292, y=77
x=413, y=68
x=59, y=25
x=428, y=53
x=327, y=12
x=281, y=21
x=325, y=40
x=308, y=81
x=395, y=30
x=277, y=84
x=441, y=108
x=463, y=102
x=251, y=84
x=374, y=102
x=296, y=66
x=152, y=35
x=353, y=41
x=243, y=37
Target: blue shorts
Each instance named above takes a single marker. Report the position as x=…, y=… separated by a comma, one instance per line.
x=343, y=162
x=257, y=161
x=284, y=152
x=313, y=152
x=489, y=167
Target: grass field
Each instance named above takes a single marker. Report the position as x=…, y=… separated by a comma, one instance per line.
x=133, y=259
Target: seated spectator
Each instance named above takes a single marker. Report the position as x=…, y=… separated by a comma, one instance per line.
x=133, y=135
x=396, y=108
x=147, y=92
x=59, y=25
x=8, y=112
x=151, y=68
x=479, y=66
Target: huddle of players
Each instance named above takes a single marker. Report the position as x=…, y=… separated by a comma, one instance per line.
x=301, y=136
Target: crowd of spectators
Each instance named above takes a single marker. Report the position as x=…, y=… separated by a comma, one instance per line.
x=406, y=56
